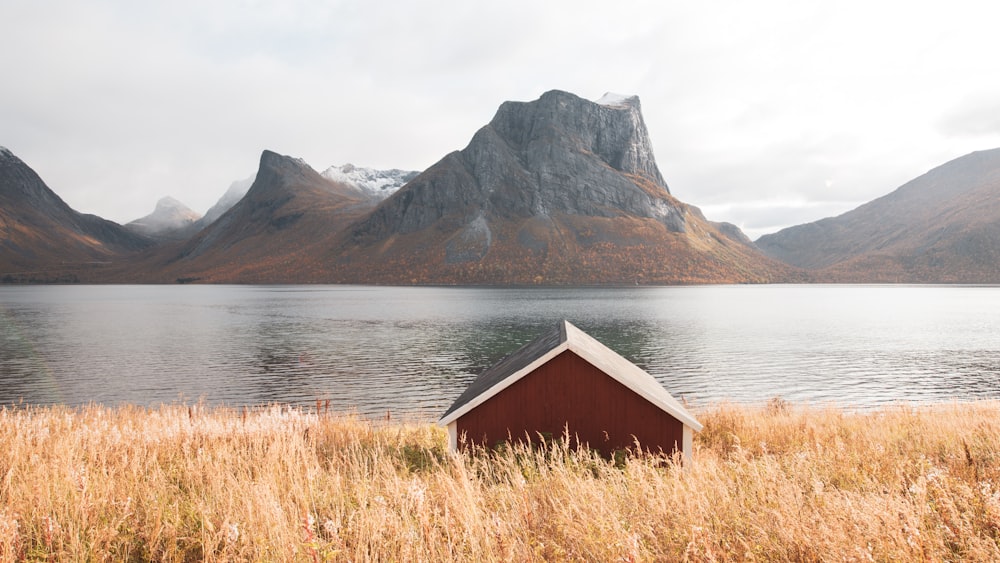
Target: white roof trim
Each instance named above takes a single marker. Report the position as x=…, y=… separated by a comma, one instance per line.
x=605, y=359
x=505, y=383
x=628, y=374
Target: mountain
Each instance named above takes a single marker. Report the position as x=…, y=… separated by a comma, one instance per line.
x=233, y=195
x=557, y=190
x=43, y=239
x=380, y=184
x=942, y=227
x=170, y=220
x=276, y=233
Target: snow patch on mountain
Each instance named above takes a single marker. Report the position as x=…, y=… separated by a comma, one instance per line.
x=616, y=100
x=377, y=183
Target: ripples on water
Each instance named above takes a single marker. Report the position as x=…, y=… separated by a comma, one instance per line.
x=412, y=350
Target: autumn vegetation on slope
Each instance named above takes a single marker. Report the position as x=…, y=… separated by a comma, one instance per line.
x=180, y=483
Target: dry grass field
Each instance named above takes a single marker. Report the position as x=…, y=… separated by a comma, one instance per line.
x=779, y=482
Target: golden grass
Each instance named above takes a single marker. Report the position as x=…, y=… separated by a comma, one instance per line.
x=771, y=483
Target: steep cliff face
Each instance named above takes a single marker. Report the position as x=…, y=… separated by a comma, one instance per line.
x=40, y=232
x=558, y=154
x=558, y=190
x=941, y=227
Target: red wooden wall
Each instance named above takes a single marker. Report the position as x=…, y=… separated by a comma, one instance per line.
x=568, y=390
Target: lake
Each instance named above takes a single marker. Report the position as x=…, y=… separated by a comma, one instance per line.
x=411, y=350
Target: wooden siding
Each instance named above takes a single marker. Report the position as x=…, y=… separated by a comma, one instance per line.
x=568, y=390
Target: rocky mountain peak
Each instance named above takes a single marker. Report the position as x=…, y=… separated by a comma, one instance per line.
x=168, y=204
x=555, y=190
x=288, y=209
x=559, y=154
x=284, y=188
x=280, y=178
x=611, y=129
x=277, y=169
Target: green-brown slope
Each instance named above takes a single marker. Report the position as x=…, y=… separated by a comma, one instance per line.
x=942, y=227
x=42, y=239
x=278, y=232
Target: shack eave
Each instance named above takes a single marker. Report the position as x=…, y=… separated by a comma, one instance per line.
x=564, y=337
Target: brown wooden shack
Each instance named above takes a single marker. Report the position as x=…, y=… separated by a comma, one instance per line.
x=566, y=380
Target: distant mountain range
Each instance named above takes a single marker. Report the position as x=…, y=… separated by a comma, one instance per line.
x=943, y=227
x=379, y=184
x=559, y=190
x=170, y=220
x=279, y=232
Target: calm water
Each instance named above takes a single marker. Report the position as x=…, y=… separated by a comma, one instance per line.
x=412, y=350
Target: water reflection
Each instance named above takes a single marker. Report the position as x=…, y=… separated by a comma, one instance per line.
x=412, y=350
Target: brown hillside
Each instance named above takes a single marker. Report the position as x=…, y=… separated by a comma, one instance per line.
x=275, y=234
x=942, y=227
x=564, y=249
x=42, y=239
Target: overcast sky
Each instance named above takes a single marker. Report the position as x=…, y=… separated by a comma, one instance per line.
x=764, y=113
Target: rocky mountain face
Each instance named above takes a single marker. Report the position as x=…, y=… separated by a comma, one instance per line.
x=558, y=154
x=558, y=190
x=43, y=239
x=942, y=227
x=170, y=220
x=379, y=184
x=276, y=233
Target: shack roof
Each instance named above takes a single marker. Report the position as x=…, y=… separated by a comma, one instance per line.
x=564, y=337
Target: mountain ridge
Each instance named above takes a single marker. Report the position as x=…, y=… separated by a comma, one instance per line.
x=272, y=233
x=941, y=227
x=558, y=190
x=43, y=239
